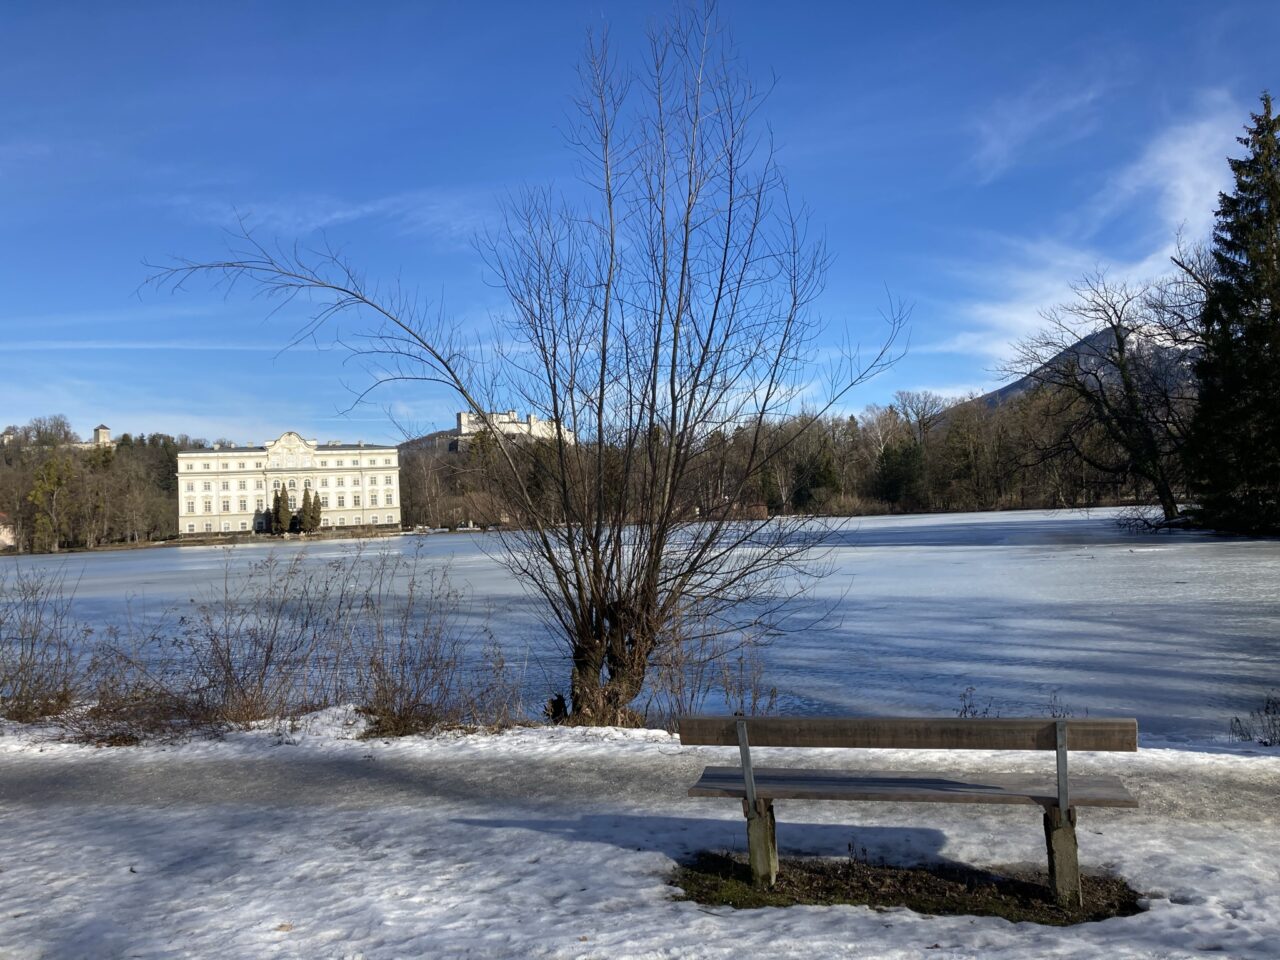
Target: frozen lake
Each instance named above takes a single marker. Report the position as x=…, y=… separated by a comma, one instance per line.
x=1181, y=630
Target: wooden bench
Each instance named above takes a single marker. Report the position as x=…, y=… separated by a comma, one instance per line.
x=1059, y=795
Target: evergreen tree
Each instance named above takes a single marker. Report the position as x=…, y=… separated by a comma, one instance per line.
x=279, y=513
x=1234, y=454
x=306, y=514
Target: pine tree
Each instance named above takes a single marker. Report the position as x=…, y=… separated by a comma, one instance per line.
x=304, y=515
x=1234, y=454
x=280, y=513
x=315, y=511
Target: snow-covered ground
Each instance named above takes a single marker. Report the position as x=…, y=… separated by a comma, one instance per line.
x=558, y=842
x=1180, y=630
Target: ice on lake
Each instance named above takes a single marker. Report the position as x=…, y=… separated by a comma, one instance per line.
x=1181, y=630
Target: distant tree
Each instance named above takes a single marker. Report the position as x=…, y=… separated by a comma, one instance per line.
x=899, y=475
x=309, y=515
x=51, y=431
x=280, y=513
x=50, y=496
x=1116, y=384
x=1234, y=454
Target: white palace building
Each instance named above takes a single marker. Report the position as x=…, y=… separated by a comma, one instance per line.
x=229, y=489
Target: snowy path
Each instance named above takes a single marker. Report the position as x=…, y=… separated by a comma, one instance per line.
x=556, y=843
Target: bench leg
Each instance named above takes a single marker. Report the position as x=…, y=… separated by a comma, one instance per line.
x=762, y=843
x=1064, y=858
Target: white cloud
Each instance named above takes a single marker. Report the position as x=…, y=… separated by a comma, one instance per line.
x=1044, y=116
x=452, y=217
x=1183, y=167
x=41, y=345
x=1171, y=187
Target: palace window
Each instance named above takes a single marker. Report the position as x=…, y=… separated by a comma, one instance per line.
x=373, y=499
x=386, y=461
x=324, y=463
x=357, y=521
x=340, y=482
x=324, y=521
x=293, y=484
x=225, y=466
x=275, y=484
x=242, y=485
x=386, y=481
x=390, y=519
x=293, y=502
x=258, y=503
x=226, y=506
x=240, y=466
x=190, y=487
x=257, y=464
x=226, y=526
x=324, y=501
x=191, y=466
x=244, y=524
x=355, y=499
x=257, y=484
x=324, y=481
x=208, y=528
x=206, y=466
x=226, y=485
x=306, y=484
x=191, y=506
x=389, y=500
x=342, y=521
x=338, y=462
x=191, y=528
x=244, y=505
x=208, y=506
x=355, y=481
x=206, y=486
x=342, y=500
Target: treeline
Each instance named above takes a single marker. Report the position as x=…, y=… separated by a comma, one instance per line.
x=57, y=493
x=921, y=453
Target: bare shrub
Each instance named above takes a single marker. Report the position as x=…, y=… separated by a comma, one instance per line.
x=270, y=643
x=278, y=638
x=412, y=670
x=969, y=708
x=1262, y=725
x=135, y=690
x=40, y=646
x=705, y=665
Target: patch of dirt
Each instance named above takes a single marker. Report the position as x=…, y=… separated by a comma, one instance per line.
x=720, y=879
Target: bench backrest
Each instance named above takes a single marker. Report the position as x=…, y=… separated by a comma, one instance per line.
x=913, y=733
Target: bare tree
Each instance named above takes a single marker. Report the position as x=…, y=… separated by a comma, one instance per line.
x=1115, y=370
x=653, y=314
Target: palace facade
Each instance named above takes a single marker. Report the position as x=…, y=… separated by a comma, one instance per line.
x=230, y=489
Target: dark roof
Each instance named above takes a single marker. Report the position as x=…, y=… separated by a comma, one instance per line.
x=322, y=448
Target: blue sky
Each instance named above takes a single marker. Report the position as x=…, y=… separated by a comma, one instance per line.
x=972, y=158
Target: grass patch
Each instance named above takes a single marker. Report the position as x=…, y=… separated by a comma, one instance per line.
x=719, y=879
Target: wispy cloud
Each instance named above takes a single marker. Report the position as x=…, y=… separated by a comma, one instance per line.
x=1182, y=168
x=1171, y=187
x=16, y=152
x=1045, y=116
x=451, y=217
x=96, y=345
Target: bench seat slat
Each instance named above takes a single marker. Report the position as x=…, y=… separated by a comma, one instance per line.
x=913, y=733
x=791, y=783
